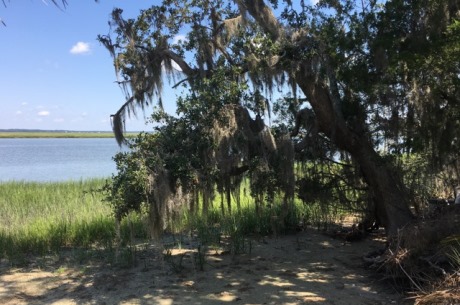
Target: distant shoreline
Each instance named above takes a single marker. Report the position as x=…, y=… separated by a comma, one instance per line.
x=7, y=134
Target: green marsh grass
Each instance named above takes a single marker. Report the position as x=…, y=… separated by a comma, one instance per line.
x=41, y=218
x=236, y=230
x=46, y=218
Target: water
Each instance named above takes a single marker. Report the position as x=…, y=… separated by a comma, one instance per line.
x=56, y=159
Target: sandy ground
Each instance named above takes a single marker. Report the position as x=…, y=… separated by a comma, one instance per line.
x=305, y=268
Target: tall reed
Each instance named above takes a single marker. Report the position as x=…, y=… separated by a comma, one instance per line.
x=38, y=218
x=42, y=218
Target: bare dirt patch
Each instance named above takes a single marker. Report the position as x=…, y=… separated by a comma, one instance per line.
x=304, y=268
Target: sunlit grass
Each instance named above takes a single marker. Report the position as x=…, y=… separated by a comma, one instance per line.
x=42, y=218
x=246, y=223
x=39, y=218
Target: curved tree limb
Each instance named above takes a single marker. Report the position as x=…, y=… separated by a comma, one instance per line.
x=263, y=15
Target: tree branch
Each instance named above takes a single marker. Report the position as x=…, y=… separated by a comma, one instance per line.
x=179, y=61
x=263, y=15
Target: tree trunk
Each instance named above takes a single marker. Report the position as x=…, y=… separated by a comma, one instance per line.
x=391, y=200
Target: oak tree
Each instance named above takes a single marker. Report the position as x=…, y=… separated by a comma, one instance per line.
x=369, y=72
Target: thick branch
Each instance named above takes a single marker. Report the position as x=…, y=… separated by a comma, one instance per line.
x=186, y=69
x=264, y=17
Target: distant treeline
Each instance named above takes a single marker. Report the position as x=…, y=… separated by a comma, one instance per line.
x=32, y=133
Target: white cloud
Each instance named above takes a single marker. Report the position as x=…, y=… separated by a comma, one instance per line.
x=314, y=2
x=24, y=104
x=19, y=112
x=178, y=38
x=84, y=114
x=43, y=113
x=80, y=48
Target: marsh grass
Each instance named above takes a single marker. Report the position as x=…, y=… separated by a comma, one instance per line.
x=40, y=218
x=234, y=232
x=47, y=218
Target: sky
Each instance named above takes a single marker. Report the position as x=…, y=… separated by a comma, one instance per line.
x=54, y=74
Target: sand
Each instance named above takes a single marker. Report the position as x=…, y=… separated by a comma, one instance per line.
x=304, y=268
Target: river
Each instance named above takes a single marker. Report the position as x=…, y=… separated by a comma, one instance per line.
x=53, y=159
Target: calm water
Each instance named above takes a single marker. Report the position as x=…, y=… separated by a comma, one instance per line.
x=56, y=159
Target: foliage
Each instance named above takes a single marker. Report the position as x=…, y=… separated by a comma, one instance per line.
x=369, y=73
x=419, y=51
x=210, y=146
x=126, y=191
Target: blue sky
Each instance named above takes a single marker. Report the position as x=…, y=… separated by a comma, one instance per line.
x=54, y=74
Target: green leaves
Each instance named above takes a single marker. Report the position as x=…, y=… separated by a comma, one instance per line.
x=127, y=190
